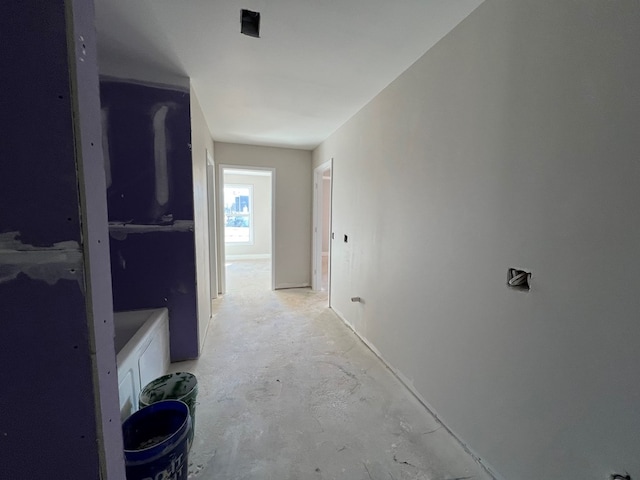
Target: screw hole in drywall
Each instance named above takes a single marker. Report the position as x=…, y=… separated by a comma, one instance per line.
x=68, y=219
x=73, y=270
x=60, y=97
x=92, y=144
x=518, y=279
x=75, y=347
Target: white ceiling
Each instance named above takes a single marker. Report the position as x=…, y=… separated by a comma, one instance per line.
x=316, y=64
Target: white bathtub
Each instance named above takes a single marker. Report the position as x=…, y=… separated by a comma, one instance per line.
x=142, y=346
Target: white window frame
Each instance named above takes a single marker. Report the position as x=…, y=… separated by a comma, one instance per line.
x=249, y=215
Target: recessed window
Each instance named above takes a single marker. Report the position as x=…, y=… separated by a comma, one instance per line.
x=238, y=214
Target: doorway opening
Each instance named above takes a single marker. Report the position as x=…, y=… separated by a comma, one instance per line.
x=246, y=236
x=322, y=187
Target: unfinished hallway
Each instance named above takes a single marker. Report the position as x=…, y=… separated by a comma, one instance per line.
x=287, y=391
x=502, y=136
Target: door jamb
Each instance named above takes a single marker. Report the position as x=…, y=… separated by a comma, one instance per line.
x=318, y=234
x=222, y=283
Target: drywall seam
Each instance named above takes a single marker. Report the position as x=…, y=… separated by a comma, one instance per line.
x=120, y=230
x=61, y=261
x=409, y=386
x=160, y=155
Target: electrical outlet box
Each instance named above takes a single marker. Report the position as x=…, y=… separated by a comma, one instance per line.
x=519, y=279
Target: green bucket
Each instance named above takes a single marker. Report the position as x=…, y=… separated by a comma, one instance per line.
x=175, y=386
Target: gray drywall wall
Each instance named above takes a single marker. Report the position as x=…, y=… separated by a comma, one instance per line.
x=261, y=245
x=59, y=413
x=292, y=206
x=512, y=143
x=201, y=142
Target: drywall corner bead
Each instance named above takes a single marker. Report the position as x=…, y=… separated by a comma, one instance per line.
x=61, y=261
x=106, y=152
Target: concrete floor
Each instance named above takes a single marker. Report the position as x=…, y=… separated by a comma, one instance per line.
x=287, y=391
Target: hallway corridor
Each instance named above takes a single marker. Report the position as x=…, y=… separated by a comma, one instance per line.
x=287, y=391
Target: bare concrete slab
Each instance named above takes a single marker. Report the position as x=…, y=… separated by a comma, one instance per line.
x=287, y=391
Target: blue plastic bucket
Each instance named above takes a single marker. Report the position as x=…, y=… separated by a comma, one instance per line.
x=156, y=442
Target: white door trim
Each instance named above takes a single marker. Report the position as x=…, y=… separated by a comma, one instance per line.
x=318, y=234
x=211, y=210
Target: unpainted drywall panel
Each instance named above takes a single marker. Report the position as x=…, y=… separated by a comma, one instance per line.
x=512, y=143
x=292, y=207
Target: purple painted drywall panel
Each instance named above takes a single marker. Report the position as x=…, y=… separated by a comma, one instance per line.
x=48, y=413
x=151, y=186
x=130, y=110
x=157, y=270
x=37, y=138
x=95, y=235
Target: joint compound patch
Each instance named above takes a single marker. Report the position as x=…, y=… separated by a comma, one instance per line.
x=120, y=230
x=61, y=261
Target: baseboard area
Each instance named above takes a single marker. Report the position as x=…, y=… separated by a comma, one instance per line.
x=256, y=256
x=280, y=286
x=409, y=386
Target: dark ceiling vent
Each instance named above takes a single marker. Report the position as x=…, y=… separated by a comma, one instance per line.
x=250, y=23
